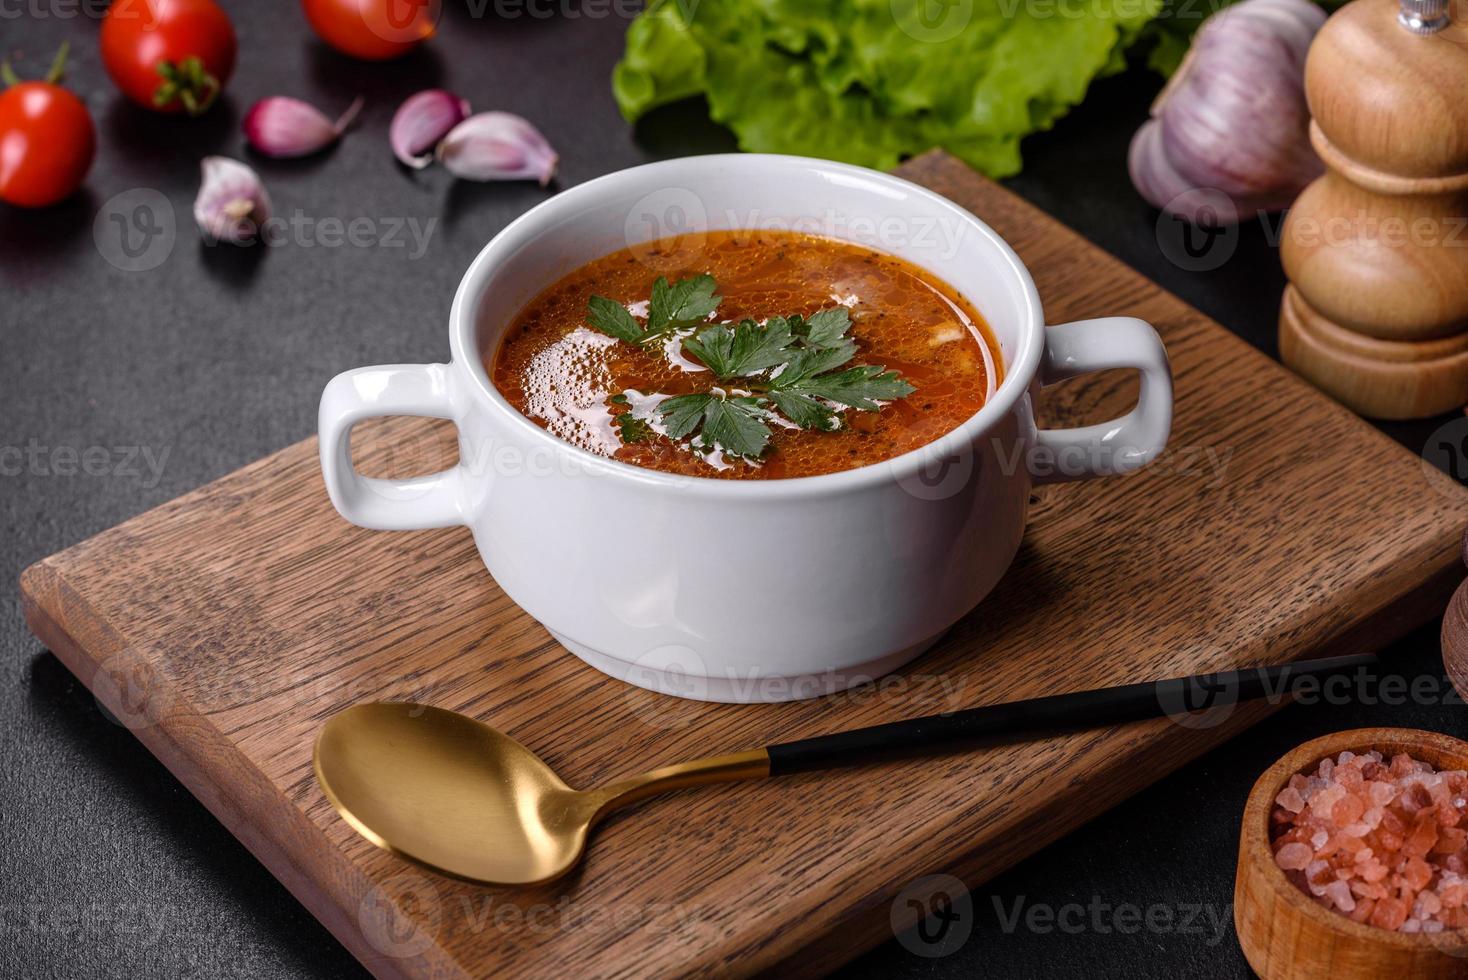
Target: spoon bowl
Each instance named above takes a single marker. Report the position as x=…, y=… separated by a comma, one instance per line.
x=463, y=799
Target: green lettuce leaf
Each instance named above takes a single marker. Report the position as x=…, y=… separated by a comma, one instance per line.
x=875, y=81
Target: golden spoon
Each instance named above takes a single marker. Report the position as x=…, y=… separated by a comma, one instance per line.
x=459, y=797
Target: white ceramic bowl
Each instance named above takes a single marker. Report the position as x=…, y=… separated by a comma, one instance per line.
x=745, y=590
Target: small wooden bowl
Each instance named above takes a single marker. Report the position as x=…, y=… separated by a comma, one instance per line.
x=1455, y=634
x=1284, y=933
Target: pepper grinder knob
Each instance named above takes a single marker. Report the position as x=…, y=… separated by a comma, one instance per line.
x=1424, y=16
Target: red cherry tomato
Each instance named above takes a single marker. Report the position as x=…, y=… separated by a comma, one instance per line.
x=46, y=144
x=169, y=55
x=373, y=29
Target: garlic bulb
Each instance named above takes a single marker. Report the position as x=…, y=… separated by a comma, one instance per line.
x=1229, y=135
x=232, y=202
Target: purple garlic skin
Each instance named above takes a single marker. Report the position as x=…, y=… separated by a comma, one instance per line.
x=421, y=122
x=232, y=203
x=1230, y=133
x=497, y=146
x=283, y=127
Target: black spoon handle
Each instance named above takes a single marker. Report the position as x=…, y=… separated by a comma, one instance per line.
x=1018, y=720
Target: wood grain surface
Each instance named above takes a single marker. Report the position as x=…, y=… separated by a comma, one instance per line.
x=224, y=627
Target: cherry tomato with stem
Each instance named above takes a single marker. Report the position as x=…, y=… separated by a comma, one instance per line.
x=374, y=30
x=169, y=55
x=47, y=140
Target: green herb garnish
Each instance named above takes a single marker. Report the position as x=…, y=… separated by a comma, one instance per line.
x=795, y=365
x=673, y=307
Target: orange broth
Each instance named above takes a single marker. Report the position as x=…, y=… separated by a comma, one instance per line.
x=560, y=373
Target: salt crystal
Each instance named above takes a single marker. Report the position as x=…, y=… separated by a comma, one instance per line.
x=1381, y=793
x=1389, y=913
x=1293, y=857
x=1340, y=893
x=1290, y=799
x=1427, y=905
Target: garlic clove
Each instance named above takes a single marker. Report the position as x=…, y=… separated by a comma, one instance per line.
x=497, y=146
x=284, y=127
x=421, y=122
x=232, y=202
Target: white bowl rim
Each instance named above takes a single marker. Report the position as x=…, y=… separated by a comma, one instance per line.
x=1018, y=373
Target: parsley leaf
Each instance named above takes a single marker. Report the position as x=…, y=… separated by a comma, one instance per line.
x=734, y=425
x=743, y=351
x=681, y=304
x=804, y=410
x=859, y=387
x=612, y=318
x=673, y=306
x=804, y=364
x=824, y=329
x=682, y=413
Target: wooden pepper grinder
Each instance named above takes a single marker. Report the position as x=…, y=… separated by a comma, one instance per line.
x=1377, y=248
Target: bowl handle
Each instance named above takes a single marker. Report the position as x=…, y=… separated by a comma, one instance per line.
x=387, y=505
x=1120, y=445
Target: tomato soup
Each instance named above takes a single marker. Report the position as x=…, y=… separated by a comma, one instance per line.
x=917, y=357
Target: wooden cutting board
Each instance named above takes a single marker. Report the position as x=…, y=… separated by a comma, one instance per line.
x=226, y=626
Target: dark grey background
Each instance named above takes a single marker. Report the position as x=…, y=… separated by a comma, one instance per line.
x=217, y=357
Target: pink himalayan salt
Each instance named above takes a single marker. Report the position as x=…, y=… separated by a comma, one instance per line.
x=1381, y=841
